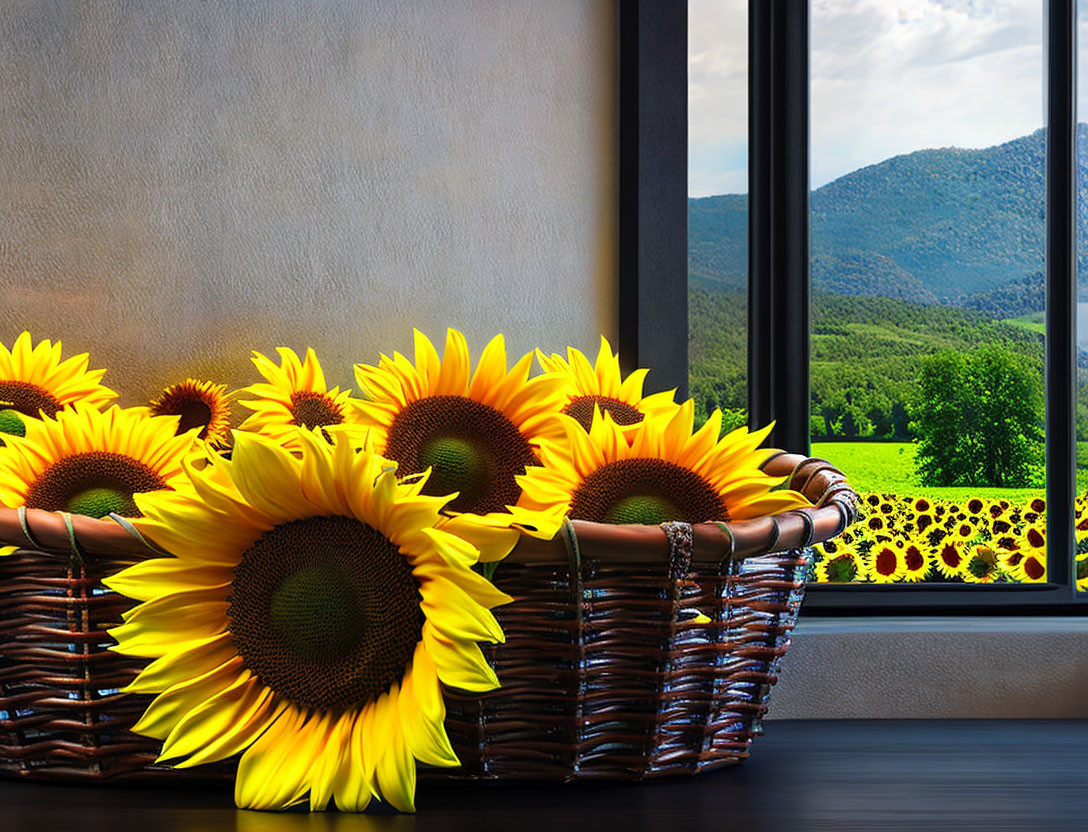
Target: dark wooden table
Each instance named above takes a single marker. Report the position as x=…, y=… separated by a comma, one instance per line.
x=954, y=775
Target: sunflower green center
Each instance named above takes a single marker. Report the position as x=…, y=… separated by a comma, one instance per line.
x=311, y=409
x=456, y=465
x=28, y=399
x=980, y=567
x=642, y=510
x=11, y=422
x=648, y=488
x=581, y=409
x=471, y=447
x=1082, y=569
x=316, y=613
x=325, y=611
x=100, y=502
x=841, y=570
x=92, y=483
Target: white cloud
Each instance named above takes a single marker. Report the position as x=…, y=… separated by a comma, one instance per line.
x=717, y=96
x=888, y=77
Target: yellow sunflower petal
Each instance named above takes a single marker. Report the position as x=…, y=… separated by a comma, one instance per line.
x=224, y=724
x=171, y=706
x=423, y=713
x=395, y=771
x=272, y=772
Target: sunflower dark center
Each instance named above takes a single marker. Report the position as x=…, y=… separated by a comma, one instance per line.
x=93, y=483
x=581, y=409
x=11, y=422
x=192, y=405
x=325, y=611
x=651, y=488
x=951, y=556
x=472, y=448
x=842, y=570
x=27, y=398
x=915, y=559
x=195, y=414
x=885, y=562
x=1036, y=539
x=311, y=409
x=1034, y=569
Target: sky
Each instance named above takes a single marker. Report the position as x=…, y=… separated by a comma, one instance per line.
x=888, y=77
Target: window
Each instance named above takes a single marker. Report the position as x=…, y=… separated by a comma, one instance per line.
x=718, y=208
x=936, y=194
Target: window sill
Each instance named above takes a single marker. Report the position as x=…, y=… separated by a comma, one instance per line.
x=934, y=668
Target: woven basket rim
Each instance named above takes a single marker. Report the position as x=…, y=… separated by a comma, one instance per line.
x=834, y=508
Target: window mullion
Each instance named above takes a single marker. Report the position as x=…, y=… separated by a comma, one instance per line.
x=1061, y=286
x=778, y=220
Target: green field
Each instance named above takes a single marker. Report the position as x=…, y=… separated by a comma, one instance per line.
x=1033, y=322
x=889, y=467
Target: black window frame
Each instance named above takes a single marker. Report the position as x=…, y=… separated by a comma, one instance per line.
x=653, y=269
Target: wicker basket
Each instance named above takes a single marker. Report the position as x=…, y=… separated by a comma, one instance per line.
x=631, y=651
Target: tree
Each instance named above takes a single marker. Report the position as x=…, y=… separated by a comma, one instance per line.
x=978, y=418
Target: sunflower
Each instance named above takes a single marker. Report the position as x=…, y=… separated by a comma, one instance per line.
x=88, y=462
x=1081, y=566
x=601, y=385
x=950, y=558
x=475, y=431
x=877, y=525
x=983, y=565
x=842, y=566
x=1026, y=561
x=964, y=531
x=294, y=398
x=921, y=505
x=197, y=404
x=310, y=615
x=886, y=562
x=918, y=561
x=924, y=521
x=664, y=472
x=34, y=381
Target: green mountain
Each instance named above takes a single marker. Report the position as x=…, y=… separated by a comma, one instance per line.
x=949, y=226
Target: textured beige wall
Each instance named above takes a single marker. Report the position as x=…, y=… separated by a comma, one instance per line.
x=183, y=181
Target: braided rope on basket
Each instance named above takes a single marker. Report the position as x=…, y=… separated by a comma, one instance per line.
x=631, y=651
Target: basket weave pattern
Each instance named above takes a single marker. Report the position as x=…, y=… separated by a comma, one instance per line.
x=606, y=674
x=61, y=715
x=631, y=651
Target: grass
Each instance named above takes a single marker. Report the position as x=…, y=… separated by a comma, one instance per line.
x=1033, y=322
x=889, y=467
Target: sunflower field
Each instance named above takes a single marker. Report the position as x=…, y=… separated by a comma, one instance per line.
x=914, y=539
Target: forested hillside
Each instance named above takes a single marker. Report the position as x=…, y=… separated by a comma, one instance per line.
x=951, y=226
x=864, y=355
